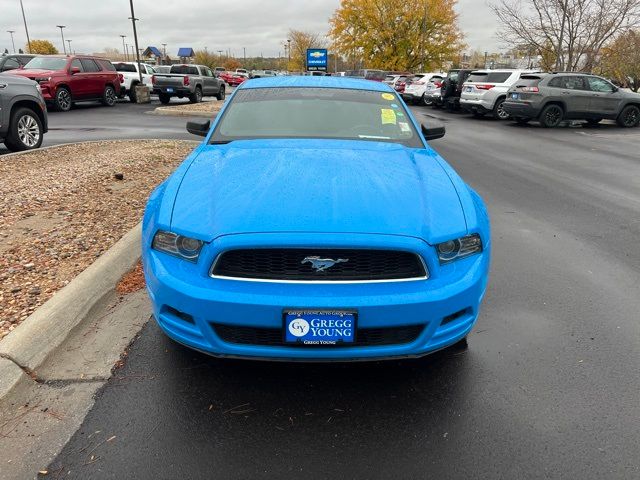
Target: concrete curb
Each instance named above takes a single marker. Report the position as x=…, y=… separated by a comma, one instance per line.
x=29, y=345
x=181, y=113
x=89, y=142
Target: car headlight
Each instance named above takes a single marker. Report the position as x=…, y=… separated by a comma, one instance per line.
x=177, y=245
x=42, y=79
x=459, y=248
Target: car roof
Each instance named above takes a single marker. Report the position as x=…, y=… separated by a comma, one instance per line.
x=316, y=81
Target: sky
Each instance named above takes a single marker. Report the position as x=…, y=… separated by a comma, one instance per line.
x=260, y=26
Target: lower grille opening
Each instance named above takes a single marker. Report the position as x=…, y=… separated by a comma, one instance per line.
x=181, y=315
x=454, y=316
x=273, y=336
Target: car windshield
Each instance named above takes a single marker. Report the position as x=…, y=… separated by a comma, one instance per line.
x=46, y=63
x=309, y=112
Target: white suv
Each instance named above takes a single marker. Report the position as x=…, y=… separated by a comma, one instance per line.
x=415, y=91
x=486, y=90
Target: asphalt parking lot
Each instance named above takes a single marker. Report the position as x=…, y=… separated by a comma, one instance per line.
x=548, y=387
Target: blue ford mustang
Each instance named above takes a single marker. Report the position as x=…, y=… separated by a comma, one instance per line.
x=315, y=223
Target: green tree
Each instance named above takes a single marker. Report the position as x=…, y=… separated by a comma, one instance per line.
x=41, y=47
x=397, y=35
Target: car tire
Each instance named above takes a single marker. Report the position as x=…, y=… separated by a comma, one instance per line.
x=551, y=116
x=132, y=93
x=63, y=100
x=196, y=96
x=109, y=97
x=164, y=98
x=499, y=112
x=221, y=93
x=427, y=101
x=629, y=117
x=25, y=131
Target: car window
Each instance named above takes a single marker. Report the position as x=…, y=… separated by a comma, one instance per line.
x=574, y=83
x=125, y=67
x=107, y=65
x=76, y=63
x=89, y=65
x=556, y=82
x=599, y=85
x=10, y=64
x=46, y=63
x=453, y=76
x=150, y=69
x=331, y=113
x=207, y=72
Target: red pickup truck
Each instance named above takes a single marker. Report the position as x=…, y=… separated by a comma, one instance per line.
x=65, y=80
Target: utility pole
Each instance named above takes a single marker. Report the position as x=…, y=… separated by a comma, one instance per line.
x=244, y=54
x=11, y=32
x=26, y=30
x=64, y=48
x=135, y=38
x=123, y=46
x=289, y=49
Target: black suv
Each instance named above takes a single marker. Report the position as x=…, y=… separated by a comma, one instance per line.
x=554, y=97
x=451, y=88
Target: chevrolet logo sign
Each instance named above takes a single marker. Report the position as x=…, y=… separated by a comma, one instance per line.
x=316, y=54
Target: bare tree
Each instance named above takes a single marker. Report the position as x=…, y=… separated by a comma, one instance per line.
x=572, y=31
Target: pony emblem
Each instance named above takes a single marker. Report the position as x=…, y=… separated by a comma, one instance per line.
x=321, y=264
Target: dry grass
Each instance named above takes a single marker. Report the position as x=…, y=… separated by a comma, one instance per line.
x=203, y=107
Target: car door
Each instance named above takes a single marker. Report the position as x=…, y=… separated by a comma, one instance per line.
x=209, y=84
x=78, y=82
x=4, y=103
x=95, y=78
x=605, y=99
x=576, y=96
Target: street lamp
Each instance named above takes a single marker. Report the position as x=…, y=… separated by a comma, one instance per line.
x=123, y=47
x=64, y=49
x=26, y=30
x=164, y=49
x=11, y=32
x=69, y=43
x=135, y=38
x=289, y=49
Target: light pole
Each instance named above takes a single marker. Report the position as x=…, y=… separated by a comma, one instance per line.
x=123, y=49
x=164, y=51
x=244, y=54
x=26, y=30
x=64, y=48
x=69, y=43
x=135, y=38
x=289, y=50
x=11, y=32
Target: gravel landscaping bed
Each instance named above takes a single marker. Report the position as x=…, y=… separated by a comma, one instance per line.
x=61, y=208
x=202, y=107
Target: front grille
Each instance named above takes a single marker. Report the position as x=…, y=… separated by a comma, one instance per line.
x=286, y=264
x=273, y=336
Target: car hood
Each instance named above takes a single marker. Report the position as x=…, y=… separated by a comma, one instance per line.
x=317, y=186
x=33, y=73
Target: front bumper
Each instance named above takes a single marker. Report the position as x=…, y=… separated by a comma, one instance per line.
x=187, y=303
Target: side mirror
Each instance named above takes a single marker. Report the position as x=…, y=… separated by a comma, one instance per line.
x=75, y=70
x=433, y=131
x=199, y=127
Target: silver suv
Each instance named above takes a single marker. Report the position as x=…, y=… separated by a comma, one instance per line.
x=23, y=113
x=554, y=97
x=485, y=91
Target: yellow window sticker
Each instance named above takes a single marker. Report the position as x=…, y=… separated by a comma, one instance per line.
x=388, y=96
x=387, y=116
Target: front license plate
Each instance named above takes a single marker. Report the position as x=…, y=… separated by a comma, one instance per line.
x=319, y=327
x=170, y=90
x=514, y=96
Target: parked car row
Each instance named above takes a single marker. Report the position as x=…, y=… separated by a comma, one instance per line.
x=526, y=95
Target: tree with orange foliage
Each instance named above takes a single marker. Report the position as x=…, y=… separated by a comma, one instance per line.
x=397, y=35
